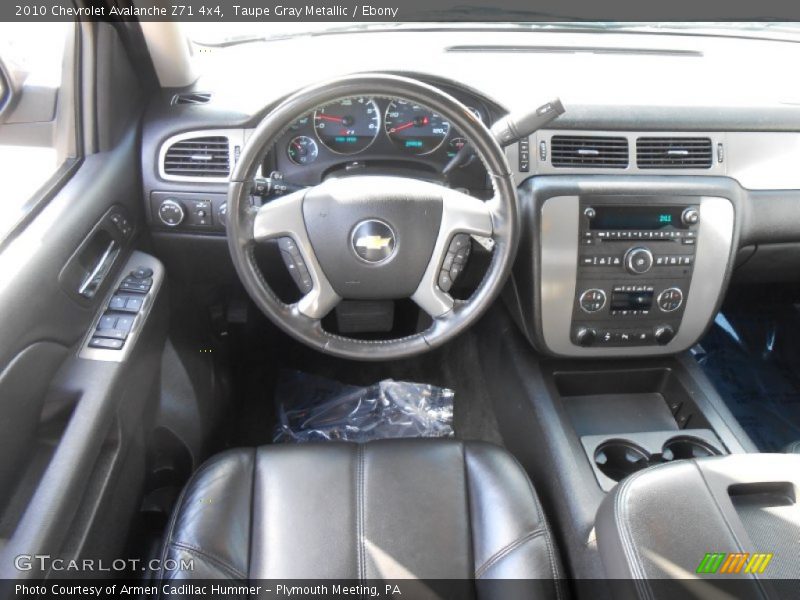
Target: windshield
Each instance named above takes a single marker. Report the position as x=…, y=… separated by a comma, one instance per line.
x=223, y=34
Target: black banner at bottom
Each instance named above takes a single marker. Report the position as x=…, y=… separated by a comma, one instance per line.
x=700, y=588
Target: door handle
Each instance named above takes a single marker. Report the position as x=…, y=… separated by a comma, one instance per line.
x=94, y=279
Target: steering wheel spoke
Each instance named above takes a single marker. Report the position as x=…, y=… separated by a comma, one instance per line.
x=462, y=216
x=282, y=220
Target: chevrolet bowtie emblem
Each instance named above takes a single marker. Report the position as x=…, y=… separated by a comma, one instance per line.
x=373, y=242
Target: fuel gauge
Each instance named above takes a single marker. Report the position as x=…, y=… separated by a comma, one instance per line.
x=302, y=150
x=455, y=145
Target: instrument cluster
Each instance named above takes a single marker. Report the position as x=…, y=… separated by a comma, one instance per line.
x=373, y=132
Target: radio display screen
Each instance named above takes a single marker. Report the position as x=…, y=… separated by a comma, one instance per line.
x=636, y=217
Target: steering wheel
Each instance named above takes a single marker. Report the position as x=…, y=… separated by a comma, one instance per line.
x=372, y=237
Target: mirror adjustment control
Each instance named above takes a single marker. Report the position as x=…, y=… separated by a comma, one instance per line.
x=171, y=212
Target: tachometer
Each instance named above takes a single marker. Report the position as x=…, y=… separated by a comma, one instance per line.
x=414, y=128
x=348, y=126
x=302, y=150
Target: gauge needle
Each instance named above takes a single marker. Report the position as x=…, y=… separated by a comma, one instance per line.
x=403, y=126
x=418, y=122
x=329, y=118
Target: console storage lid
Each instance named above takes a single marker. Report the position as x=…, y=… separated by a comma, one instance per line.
x=661, y=523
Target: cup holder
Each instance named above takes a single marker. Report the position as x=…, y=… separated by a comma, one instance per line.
x=617, y=459
x=679, y=448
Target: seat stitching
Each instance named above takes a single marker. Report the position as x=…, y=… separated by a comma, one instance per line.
x=360, y=513
x=506, y=550
x=203, y=554
x=468, y=497
x=626, y=536
x=175, y=513
x=251, y=540
x=540, y=517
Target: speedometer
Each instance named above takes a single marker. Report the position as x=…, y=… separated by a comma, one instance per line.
x=414, y=128
x=348, y=126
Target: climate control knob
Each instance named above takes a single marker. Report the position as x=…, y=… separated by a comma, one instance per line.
x=592, y=300
x=670, y=299
x=663, y=334
x=171, y=213
x=638, y=260
x=585, y=336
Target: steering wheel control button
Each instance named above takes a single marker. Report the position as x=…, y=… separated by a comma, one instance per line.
x=460, y=242
x=295, y=264
x=445, y=281
x=171, y=213
x=373, y=241
x=638, y=260
x=592, y=300
x=455, y=260
x=670, y=299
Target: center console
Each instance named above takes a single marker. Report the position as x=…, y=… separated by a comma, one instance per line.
x=622, y=266
x=724, y=527
x=635, y=262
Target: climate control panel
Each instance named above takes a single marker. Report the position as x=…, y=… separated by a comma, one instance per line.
x=634, y=270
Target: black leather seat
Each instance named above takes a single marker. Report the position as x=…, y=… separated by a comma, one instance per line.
x=388, y=509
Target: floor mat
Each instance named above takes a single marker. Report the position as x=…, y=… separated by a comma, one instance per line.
x=312, y=408
x=752, y=355
x=264, y=353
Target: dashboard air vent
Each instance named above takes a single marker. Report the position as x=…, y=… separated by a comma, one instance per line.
x=589, y=151
x=198, y=157
x=673, y=153
x=192, y=98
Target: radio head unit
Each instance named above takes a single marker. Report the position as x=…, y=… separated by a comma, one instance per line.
x=635, y=265
x=643, y=218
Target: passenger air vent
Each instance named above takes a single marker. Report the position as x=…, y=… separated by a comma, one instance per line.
x=589, y=151
x=673, y=153
x=192, y=98
x=198, y=157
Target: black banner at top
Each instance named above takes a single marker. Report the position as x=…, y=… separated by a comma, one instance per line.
x=495, y=11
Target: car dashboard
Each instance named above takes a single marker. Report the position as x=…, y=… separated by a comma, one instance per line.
x=656, y=127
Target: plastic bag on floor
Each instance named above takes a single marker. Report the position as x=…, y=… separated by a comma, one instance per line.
x=313, y=408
